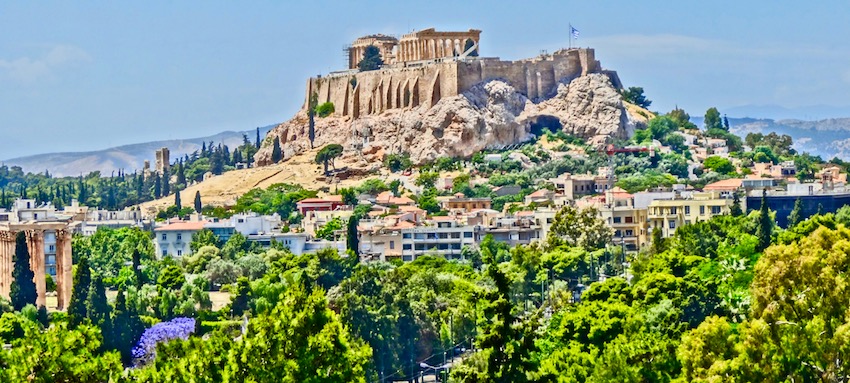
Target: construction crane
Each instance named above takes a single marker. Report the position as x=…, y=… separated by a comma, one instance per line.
x=611, y=150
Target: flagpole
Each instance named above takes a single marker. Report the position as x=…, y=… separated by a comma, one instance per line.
x=570, y=32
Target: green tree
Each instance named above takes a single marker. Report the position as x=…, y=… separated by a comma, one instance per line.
x=328, y=230
x=201, y=238
x=239, y=304
x=198, y=205
x=712, y=119
x=171, y=278
x=328, y=154
x=277, y=155
x=764, y=230
x=311, y=116
x=736, y=210
x=578, y=227
x=371, y=59
x=59, y=355
x=126, y=328
x=98, y=309
x=352, y=238
x=426, y=180
x=634, y=95
x=719, y=164
x=23, y=288
x=796, y=213
x=77, y=310
x=177, y=200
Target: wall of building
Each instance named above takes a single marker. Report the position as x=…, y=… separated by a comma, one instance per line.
x=362, y=93
x=784, y=204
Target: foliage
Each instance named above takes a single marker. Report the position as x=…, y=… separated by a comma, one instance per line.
x=328, y=230
x=325, y=109
x=718, y=164
x=578, y=227
x=278, y=198
x=178, y=328
x=371, y=59
x=712, y=120
x=634, y=95
x=108, y=250
x=327, y=155
x=398, y=162
x=77, y=311
x=59, y=354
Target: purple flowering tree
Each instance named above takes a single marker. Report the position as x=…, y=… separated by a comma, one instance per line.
x=177, y=328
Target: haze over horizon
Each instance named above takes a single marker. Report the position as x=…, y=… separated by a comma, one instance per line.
x=79, y=77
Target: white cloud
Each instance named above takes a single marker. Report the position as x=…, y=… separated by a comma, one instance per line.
x=27, y=69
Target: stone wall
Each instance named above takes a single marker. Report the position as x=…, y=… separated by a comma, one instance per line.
x=374, y=92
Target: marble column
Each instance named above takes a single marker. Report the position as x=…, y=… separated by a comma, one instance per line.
x=7, y=253
x=35, y=244
x=64, y=275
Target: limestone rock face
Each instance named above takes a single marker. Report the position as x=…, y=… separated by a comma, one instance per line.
x=490, y=115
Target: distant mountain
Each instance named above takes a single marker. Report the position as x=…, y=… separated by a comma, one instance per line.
x=127, y=157
x=826, y=138
x=776, y=112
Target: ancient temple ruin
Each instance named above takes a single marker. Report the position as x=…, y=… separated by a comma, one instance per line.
x=37, y=232
x=427, y=44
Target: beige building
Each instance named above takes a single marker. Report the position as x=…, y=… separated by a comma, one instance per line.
x=459, y=202
x=385, y=44
x=670, y=214
x=405, y=240
x=628, y=222
x=573, y=186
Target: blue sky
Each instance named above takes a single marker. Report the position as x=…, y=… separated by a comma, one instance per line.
x=90, y=75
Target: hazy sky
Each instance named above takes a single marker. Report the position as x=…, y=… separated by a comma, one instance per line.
x=87, y=75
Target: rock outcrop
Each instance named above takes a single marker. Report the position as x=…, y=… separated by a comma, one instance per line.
x=490, y=115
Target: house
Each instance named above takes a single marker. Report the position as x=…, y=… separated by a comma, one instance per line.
x=541, y=196
x=173, y=239
x=460, y=202
x=405, y=240
x=328, y=203
x=725, y=187
x=670, y=214
x=627, y=221
x=387, y=198
x=245, y=224
x=518, y=229
x=574, y=186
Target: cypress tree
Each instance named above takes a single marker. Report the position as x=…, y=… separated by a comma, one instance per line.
x=736, y=210
x=137, y=268
x=77, y=311
x=157, y=186
x=765, y=224
x=181, y=174
x=98, y=308
x=126, y=328
x=166, y=178
x=198, y=205
x=257, y=143
x=277, y=155
x=796, y=214
x=177, y=200
x=352, y=241
x=23, y=287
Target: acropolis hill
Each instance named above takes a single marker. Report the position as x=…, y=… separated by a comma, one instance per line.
x=434, y=96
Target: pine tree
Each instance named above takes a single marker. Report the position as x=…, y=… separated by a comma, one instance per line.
x=796, y=214
x=276, y=153
x=77, y=311
x=198, y=205
x=352, y=241
x=177, y=200
x=764, y=230
x=23, y=287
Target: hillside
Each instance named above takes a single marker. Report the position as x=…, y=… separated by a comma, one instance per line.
x=127, y=157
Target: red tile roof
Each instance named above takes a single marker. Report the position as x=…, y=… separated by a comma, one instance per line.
x=730, y=184
x=183, y=226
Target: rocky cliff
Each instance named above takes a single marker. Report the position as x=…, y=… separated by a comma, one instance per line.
x=491, y=114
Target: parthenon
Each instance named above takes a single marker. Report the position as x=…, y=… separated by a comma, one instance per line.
x=36, y=233
x=427, y=44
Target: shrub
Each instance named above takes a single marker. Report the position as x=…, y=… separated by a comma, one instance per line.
x=325, y=109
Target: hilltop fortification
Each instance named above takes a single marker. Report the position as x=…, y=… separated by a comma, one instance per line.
x=434, y=96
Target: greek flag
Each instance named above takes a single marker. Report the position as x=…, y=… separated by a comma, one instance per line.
x=574, y=32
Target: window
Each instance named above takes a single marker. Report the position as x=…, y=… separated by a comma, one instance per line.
x=164, y=253
x=630, y=219
x=672, y=224
x=406, y=235
x=392, y=245
x=672, y=210
x=51, y=248
x=687, y=210
x=715, y=210
x=630, y=233
x=179, y=253
x=467, y=234
x=702, y=210
x=179, y=236
x=618, y=220
x=164, y=237
x=617, y=233
x=455, y=235
x=406, y=246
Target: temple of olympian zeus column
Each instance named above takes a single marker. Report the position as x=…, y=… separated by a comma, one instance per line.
x=35, y=232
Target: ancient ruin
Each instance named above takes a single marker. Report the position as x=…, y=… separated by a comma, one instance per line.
x=36, y=233
x=426, y=66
